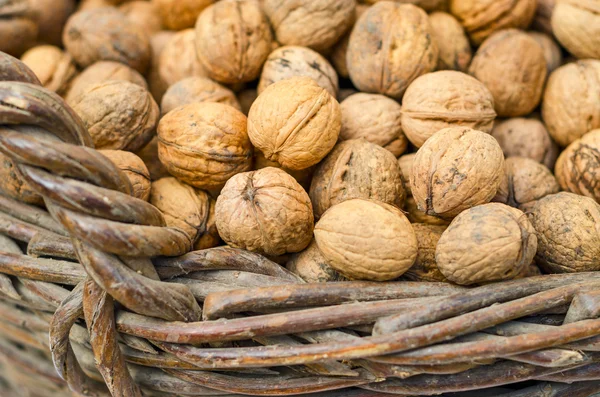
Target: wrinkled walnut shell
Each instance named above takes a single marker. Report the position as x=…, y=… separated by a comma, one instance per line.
x=178, y=59
x=196, y=89
x=552, y=51
x=54, y=67
x=12, y=185
x=576, y=25
x=312, y=267
x=452, y=42
x=180, y=14
x=134, y=169
x=425, y=267
x=143, y=14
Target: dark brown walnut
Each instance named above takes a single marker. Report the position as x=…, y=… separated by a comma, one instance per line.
x=50, y=16
x=18, y=35
x=303, y=177
x=453, y=44
x=415, y=215
x=578, y=166
x=265, y=211
x=552, y=51
x=143, y=14
x=178, y=58
x=482, y=18
x=405, y=163
x=576, y=24
x=156, y=84
x=571, y=105
x=568, y=230
x=105, y=34
x=512, y=66
x=294, y=122
x=375, y=118
x=389, y=47
x=233, y=40
x=456, y=169
x=445, y=99
x=315, y=24
x=204, y=144
x=13, y=185
x=526, y=137
x=246, y=98
x=543, y=15
x=310, y=265
x=134, y=169
x=196, y=89
x=338, y=53
x=53, y=67
x=290, y=61
x=366, y=240
x=497, y=242
x=356, y=169
x=180, y=14
x=149, y=154
x=425, y=267
x=118, y=115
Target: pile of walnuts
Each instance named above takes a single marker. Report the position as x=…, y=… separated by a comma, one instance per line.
x=452, y=141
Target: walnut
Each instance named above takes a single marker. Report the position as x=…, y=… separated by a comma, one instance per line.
x=294, y=122
x=233, y=40
x=54, y=67
x=18, y=35
x=389, y=47
x=246, y=98
x=197, y=89
x=143, y=14
x=50, y=16
x=13, y=185
x=290, y=61
x=521, y=137
x=415, y=215
x=497, y=242
x=312, y=267
x=366, y=240
x=405, y=163
x=568, y=229
x=157, y=85
x=180, y=14
x=512, y=66
x=552, y=51
x=576, y=24
x=445, y=99
x=315, y=24
x=178, y=58
x=204, y=144
x=149, y=154
x=338, y=53
x=578, y=166
x=452, y=42
x=481, y=18
x=118, y=115
x=303, y=177
x=456, y=169
x=425, y=267
x=134, y=169
x=356, y=169
x=265, y=211
x=105, y=34
x=571, y=105
x=543, y=14
x=375, y=118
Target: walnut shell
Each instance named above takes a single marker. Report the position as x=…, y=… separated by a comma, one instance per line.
x=375, y=118
x=356, y=169
x=12, y=185
x=246, y=98
x=552, y=51
x=576, y=24
x=196, y=89
x=118, y=115
x=265, y=211
x=578, y=166
x=405, y=163
x=490, y=242
x=144, y=14
x=425, y=267
x=512, y=66
x=310, y=265
x=18, y=35
x=338, y=53
x=149, y=155
x=521, y=137
x=315, y=24
x=389, y=47
x=543, y=15
x=105, y=34
x=180, y=14
x=366, y=240
x=294, y=122
x=571, y=105
x=568, y=229
x=415, y=215
x=303, y=177
x=452, y=42
x=50, y=16
x=156, y=83
x=178, y=59
x=481, y=18
x=289, y=61
x=53, y=66
x=456, y=169
x=233, y=40
x=204, y=144
x=445, y=99
x=134, y=169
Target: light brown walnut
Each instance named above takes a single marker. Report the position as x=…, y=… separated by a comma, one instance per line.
x=452, y=42
x=178, y=58
x=425, y=267
x=576, y=24
x=180, y=14
x=312, y=267
x=53, y=67
x=197, y=89
x=134, y=169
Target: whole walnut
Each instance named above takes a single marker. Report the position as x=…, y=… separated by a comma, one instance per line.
x=156, y=83
x=233, y=40
x=144, y=14
x=315, y=24
x=543, y=15
x=246, y=98
x=312, y=267
x=427, y=5
x=265, y=211
x=149, y=155
x=456, y=169
x=294, y=122
x=178, y=59
x=134, y=169
x=356, y=169
x=571, y=105
x=552, y=51
x=576, y=24
x=289, y=61
x=338, y=53
x=490, y=242
x=303, y=177
x=425, y=267
x=526, y=137
x=512, y=66
x=105, y=34
x=568, y=230
x=525, y=181
x=118, y=115
x=454, y=48
x=415, y=215
x=204, y=144
x=405, y=163
x=13, y=185
x=196, y=89
x=100, y=72
x=50, y=16
x=53, y=66
x=366, y=240
x=389, y=47
x=445, y=99
x=180, y=14
x=18, y=35
x=578, y=166
x=481, y=18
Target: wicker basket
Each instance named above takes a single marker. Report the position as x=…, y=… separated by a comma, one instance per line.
x=223, y=321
